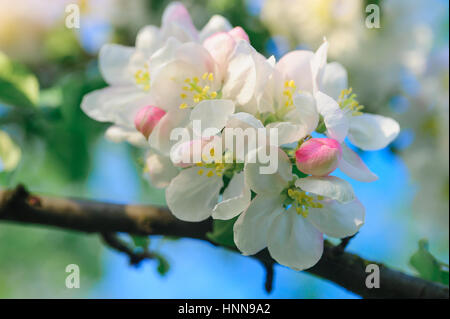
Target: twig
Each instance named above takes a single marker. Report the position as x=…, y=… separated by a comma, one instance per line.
x=345, y=269
x=116, y=243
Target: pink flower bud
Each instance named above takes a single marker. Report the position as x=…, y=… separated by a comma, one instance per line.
x=147, y=118
x=318, y=156
x=239, y=33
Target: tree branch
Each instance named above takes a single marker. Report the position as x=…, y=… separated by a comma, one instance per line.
x=343, y=268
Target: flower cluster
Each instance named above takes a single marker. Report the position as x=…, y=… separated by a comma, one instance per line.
x=176, y=75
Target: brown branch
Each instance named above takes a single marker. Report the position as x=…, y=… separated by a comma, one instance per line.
x=135, y=257
x=345, y=269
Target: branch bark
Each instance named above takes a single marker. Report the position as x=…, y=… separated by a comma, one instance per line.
x=343, y=268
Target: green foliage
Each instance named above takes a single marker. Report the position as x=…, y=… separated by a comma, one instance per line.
x=222, y=233
x=18, y=87
x=427, y=265
x=9, y=153
x=141, y=241
x=163, y=265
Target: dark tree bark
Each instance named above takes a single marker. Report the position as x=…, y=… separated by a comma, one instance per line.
x=345, y=269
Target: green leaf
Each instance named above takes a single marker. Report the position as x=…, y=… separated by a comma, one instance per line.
x=141, y=241
x=222, y=233
x=18, y=86
x=427, y=265
x=163, y=264
x=10, y=153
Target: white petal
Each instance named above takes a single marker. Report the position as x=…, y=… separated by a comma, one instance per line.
x=305, y=112
x=216, y=24
x=177, y=22
x=192, y=197
x=263, y=183
x=329, y=186
x=220, y=46
x=116, y=104
x=353, y=166
x=212, y=114
x=119, y=134
x=160, y=170
x=296, y=65
x=243, y=120
x=252, y=227
x=240, y=80
x=336, y=219
x=288, y=132
x=148, y=40
x=334, y=80
x=318, y=63
x=336, y=122
x=235, y=199
x=159, y=139
x=114, y=60
x=294, y=241
x=372, y=132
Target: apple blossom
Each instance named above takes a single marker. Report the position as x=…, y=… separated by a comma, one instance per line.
x=147, y=118
x=318, y=156
x=289, y=215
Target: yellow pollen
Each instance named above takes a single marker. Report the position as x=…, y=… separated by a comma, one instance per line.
x=347, y=101
x=201, y=90
x=302, y=201
x=210, y=174
x=200, y=172
x=142, y=78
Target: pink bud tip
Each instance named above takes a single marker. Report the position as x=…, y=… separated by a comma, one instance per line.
x=239, y=33
x=318, y=156
x=147, y=118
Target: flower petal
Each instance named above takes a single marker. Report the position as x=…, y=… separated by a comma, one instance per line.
x=318, y=63
x=148, y=40
x=305, y=112
x=252, y=227
x=243, y=120
x=353, y=166
x=117, y=134
x=294, y=242
x=216, y=24
x=334, y=80
x=328, y=186
x=160, y=139
x=264, y=183
x=114, y=62
x=296, y=65
x=235, y=199
x=288, y=132
x=191, y=196
x=336, y=219
x=212, y=114
x=177, y=22
x=336, y=122
x=240, y=80
x=160, y=170
x=372, y=131
x=116, y=104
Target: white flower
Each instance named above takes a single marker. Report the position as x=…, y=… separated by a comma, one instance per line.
x=289, y=216
x=129, y=71
x=194, y=194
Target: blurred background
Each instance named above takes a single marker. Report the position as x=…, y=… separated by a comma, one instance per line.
x=399, y=70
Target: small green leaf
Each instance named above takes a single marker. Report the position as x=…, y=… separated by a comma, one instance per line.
x=18, y=86
x=141, y=241
x=222, y=233
x=9, y=153
x=163, y=265
x=427, y=265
